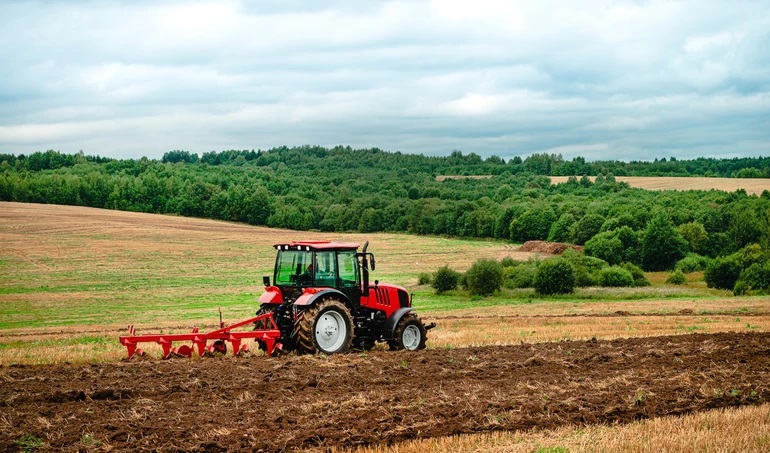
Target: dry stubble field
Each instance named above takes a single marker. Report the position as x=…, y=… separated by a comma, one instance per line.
x=750, y=185
x=71, y=277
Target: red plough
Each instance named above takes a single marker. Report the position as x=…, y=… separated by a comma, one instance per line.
x=267, y=337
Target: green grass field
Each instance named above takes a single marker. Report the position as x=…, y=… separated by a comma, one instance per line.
x=72, y=279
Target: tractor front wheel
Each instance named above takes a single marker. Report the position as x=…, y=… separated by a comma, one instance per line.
x=326, y=327
x=410, y=334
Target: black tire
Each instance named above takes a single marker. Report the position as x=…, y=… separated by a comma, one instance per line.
x=410, y=334
x=263, y=310
x=264, y=324
x=326, y=328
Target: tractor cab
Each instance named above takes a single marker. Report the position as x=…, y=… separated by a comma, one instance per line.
x=318, y=264
x=321, y=264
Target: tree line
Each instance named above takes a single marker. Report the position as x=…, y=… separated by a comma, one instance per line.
x=368, y=190
x=456, y=163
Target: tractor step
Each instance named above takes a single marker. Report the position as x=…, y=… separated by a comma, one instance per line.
x=200, y=342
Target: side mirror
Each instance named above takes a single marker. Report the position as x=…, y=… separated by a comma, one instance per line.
x=374, y=263
x=266, y=280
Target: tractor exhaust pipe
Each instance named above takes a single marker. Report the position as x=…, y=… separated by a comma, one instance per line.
x=365, y=269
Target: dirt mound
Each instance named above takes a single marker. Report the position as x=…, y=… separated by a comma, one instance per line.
x=379, y=397
x=553, y=248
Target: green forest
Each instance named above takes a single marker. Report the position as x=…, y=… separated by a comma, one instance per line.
x=369, y=190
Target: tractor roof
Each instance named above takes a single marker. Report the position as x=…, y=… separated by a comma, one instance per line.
x=316, y=245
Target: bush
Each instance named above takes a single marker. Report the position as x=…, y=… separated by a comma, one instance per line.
x=509, y=262
x=585, y=267
x=522, y=276
x=616, y=246
x=695, y=235
x=484, y=277
x=554, y=276
x=586, y=228
x=584, y=278
x=561, y=230
x=605, y=246
x=637, y=273
x=424, y=278
x=615, y=223
x=445, y=279
x=662, y=245
x=615, y=276
x=534, y=224
x=756, y=278
x=676, y=278
x=692, y=263
x=723, y=272
x=591, y=263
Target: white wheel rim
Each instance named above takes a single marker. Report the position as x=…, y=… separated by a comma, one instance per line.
x=330, y=331
x=411, y=337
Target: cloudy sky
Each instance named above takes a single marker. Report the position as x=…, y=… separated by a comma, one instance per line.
x=605, y=79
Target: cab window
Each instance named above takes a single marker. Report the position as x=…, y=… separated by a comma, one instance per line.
x=291, y=266
x=348, y=265
x=325, y=269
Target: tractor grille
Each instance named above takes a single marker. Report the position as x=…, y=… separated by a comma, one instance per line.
x=381, y=297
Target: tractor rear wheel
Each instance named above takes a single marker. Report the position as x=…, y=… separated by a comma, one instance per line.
x=326, y=327
x=264, y=324
x=263, y=310
x=410, y=334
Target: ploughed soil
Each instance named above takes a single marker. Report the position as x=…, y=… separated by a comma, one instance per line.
x=292, y=402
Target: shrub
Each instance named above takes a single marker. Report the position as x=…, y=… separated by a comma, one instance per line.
x=484, y=277
x=615, y=276
x=751, y=254
x=561, y=230
x=676, y=278
x=615, y=223
x=585, y=267
x=695, y=235
x=692, y=263
x=591, y=263
x=637, y=273
x=723, y=272
x=755, y=278
x=662, y=245
x=522, y=276
x=424, y=278
x=509, y=262
x=586, y=228
x=554, y=276
x=616, y=246
x=605, y=246
x=533, y=224
x=583, y=277
x=445, y=279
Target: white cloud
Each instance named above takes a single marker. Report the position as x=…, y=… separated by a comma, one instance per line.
x=608, y=78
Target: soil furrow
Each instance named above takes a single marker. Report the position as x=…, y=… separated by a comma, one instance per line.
x=379, y=397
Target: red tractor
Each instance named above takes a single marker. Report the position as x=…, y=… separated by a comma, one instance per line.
x=321, y=301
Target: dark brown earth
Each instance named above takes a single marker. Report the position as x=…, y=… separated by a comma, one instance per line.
x=379, y=397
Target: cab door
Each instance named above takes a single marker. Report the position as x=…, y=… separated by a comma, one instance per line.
x=349, y=281
x=325, y=267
